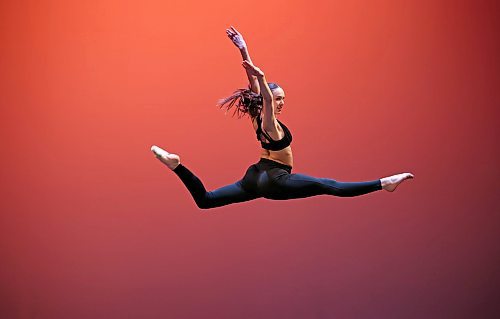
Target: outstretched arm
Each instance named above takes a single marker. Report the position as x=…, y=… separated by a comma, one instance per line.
x=240, y=43
x=268, y=118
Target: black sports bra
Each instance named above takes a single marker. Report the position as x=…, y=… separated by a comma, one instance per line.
x=273, y=145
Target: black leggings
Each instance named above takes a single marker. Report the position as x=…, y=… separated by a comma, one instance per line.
x=271, y=180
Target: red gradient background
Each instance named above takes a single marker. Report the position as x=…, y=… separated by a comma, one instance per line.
x=93, y=226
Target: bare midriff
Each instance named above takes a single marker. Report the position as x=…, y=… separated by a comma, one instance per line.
x=283, y=156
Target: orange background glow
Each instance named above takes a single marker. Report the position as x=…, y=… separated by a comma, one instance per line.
x=93, y=226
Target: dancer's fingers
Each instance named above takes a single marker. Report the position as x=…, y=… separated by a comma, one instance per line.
x=234, y=30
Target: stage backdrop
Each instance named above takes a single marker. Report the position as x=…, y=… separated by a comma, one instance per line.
x=93, y=226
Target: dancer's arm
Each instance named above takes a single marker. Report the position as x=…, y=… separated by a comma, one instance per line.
x=269, y=122
x=240, y=43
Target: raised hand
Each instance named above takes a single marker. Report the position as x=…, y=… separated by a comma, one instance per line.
x=252, y=69
x=236, y=37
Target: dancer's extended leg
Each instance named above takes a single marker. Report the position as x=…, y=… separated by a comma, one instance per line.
x=229, y=194
x=299, y=186
x=233, y=193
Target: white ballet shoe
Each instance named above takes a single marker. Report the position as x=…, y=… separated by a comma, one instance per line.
x=392, y=182
x=171, y=160
x=159, y=152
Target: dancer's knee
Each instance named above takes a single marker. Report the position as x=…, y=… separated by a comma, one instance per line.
x=205, y=203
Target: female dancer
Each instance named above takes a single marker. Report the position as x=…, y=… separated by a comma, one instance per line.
x=272, y=176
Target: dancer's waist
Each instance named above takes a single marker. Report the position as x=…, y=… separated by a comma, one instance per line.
x=272, y=164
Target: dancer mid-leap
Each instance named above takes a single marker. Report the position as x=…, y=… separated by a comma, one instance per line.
x=271, y=177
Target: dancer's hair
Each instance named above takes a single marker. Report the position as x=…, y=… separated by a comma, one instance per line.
x=245, y=101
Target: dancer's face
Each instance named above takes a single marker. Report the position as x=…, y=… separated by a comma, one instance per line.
x=279, y=100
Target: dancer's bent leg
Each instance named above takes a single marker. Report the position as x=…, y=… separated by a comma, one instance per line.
x=299, y=186
x=229, y=194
